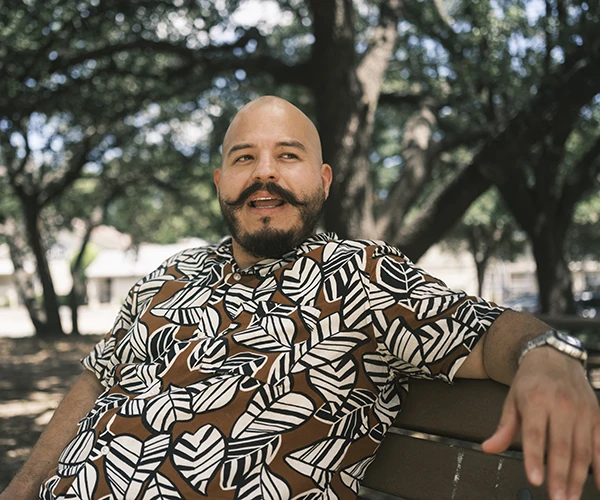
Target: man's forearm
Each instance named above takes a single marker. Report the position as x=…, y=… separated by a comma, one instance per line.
x=505, y=340
x=60, y=430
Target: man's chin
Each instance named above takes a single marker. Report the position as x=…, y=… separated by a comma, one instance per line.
x=271, y=242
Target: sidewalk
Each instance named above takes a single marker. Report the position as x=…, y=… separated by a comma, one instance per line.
x=16, y=322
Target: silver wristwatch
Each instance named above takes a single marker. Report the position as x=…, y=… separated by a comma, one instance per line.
x=562, y=342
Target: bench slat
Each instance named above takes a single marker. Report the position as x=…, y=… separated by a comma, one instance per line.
x=469, y=410
x=409, y=468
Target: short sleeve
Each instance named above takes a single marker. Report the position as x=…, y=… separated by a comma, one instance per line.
x=103, y=359
x=125, y=342
x=425, y=329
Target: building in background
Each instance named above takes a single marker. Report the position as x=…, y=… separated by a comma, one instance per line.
x=117, y=266
x=114, y=271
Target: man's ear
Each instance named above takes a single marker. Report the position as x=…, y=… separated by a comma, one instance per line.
x=326, y=177
x=217, y=177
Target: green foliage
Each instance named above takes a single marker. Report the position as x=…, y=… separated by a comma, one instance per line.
x=583, y=241
x=117, y=109
x=487, y=230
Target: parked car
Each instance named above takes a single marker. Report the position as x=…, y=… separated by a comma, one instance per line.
x=588, y=305
x=524, y=303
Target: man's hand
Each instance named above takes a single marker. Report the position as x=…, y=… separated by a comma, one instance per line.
x=554, y=406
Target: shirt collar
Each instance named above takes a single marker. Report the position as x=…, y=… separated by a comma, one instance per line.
x=224, y=251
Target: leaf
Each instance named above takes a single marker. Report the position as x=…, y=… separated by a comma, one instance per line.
x=244, y=455
x=184, y=307
x=132, y=348
x=327, y=344
x=101, y=406
x=208, y=355
x=441, y=338
x=214, y=393
x=377, y=369
x=162, y=412
x=148, y=289
x=47, y=488
x=84, y=485
x=198, y=456
x=235, y=297
x=353, y=418
x=405, y=344
x=160, y=341
x=273, y=334
x=301, y=283
x=161, y=487
x=138, y=378
x=355, y=305
x=432, y=299
x=264, y=484
x=385, y=409
x=130, y=461
x=244, y=363
x=133, y=408
x=265, y=290
x=319, y=460
x=396, y=276
x=73, y=457
x=353, y=475
x=334, y=381
x=209, y=323
x=269, y=413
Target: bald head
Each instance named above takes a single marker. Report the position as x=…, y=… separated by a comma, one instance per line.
x=274, y=117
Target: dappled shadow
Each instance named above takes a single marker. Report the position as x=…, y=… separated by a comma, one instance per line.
x=34, y=376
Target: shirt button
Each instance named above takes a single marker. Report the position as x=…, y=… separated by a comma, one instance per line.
x=237, y=276
x=105, y=450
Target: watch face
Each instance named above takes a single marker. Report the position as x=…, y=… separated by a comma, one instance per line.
x=569, y=340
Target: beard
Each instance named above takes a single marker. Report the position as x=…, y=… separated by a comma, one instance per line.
x=268, y=242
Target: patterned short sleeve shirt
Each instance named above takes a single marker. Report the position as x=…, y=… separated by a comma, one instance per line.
x=274, y=382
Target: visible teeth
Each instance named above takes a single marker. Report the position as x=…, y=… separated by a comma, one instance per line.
x=266, y=202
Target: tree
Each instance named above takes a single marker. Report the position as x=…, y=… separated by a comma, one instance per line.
x=486, y=230
x=469, y=94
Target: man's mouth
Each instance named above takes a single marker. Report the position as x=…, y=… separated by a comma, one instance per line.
x=266, y=202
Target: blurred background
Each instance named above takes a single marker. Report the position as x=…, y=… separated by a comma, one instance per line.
x=466, y=132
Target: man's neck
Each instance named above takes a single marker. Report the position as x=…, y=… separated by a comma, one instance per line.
x=242, y=258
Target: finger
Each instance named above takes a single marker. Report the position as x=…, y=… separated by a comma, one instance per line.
x=560, y=443
x=596, y=454
x=507, y=429
x=581, y=458
x=535, y=424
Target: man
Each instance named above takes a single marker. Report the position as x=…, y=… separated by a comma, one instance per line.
x=272, y=365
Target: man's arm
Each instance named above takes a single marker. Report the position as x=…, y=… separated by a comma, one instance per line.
x=60, y=430
x=550, y=401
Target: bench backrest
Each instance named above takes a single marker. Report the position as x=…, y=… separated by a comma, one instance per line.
x=433, y=449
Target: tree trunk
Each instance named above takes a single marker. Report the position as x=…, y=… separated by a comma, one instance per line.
x=52, y=326
x=75, y=300
x=553, y=274
x=17, y=247
x=78, y=290
x=346, y=94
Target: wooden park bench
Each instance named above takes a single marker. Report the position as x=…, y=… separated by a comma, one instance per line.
x=432, y=451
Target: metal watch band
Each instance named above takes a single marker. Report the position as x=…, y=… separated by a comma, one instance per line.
x=562, y=342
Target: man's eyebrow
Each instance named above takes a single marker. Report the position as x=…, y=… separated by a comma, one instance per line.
x=288, y=144
x=238, y=147
x=292, y=144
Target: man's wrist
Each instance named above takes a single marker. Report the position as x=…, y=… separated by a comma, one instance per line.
x=558, y=341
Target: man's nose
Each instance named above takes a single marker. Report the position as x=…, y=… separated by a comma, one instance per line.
x=266, y=169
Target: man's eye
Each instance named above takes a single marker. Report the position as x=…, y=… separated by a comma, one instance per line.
x=289, y=156
x=243, y=158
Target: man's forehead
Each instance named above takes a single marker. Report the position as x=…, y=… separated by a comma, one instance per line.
x=274, y=119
